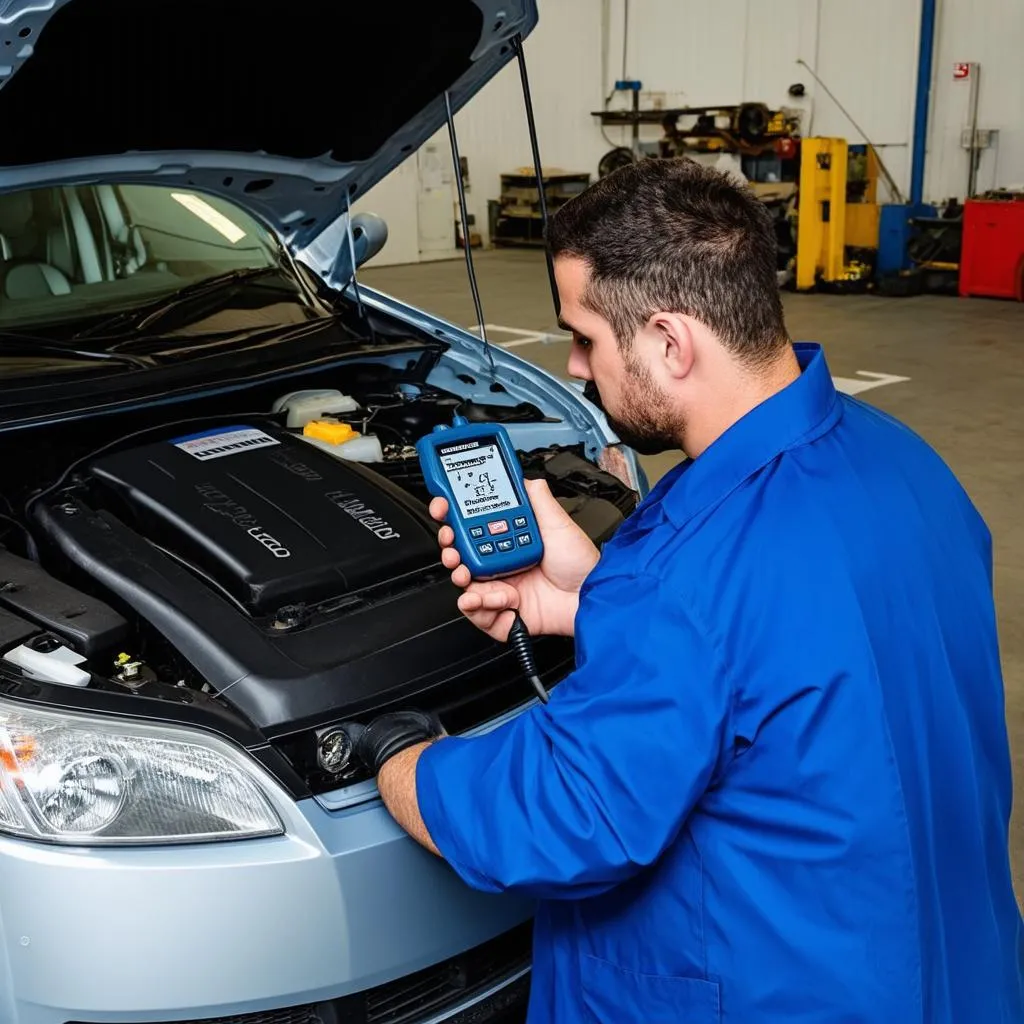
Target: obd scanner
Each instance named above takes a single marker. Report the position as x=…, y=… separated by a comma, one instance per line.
x=474, y=467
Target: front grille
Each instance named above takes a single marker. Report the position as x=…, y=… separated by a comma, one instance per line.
x=420, y=996
x=293, y=1015
x=446, y=984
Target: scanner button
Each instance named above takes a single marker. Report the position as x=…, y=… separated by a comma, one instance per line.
x=476, y=531
x=485, y=549
x=506, y=545
x=498, y=526
x=524, y=539
x=519, y=522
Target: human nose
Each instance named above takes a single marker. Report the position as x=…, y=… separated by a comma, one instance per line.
x=579, y=363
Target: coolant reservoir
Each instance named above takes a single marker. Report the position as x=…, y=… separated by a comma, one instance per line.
x=343, y=442
x=304, y=406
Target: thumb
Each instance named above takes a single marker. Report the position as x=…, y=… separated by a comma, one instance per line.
x=545, y=505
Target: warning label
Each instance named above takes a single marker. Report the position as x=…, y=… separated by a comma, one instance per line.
x=231, y=442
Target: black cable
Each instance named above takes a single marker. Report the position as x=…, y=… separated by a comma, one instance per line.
x=16, y=523
x=521, y=643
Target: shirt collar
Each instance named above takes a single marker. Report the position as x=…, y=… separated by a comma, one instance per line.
x=803, y=410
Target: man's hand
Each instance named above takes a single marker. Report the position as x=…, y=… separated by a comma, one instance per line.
x=391, y=733
x=390, y=747
x=547, y=595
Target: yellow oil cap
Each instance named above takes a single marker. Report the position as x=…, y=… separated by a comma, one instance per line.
x=330, y=431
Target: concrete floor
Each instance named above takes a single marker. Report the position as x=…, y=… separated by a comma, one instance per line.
x=965, y=394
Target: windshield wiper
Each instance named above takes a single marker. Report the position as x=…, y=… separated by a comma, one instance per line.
x=140, y=317
x=12, y=343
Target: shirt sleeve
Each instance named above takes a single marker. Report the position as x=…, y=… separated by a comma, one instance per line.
x=573, y=797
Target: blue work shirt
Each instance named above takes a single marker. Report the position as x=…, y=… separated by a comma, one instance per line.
x=776, y=788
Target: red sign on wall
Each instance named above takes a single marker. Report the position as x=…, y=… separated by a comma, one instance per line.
x=961, y=72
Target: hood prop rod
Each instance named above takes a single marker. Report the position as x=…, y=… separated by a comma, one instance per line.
x=517, y=44
x=350, y=238
x=464, y=216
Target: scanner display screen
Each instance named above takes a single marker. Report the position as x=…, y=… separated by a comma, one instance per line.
x=478, y=478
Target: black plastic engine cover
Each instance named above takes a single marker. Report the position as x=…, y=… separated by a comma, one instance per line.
x=270, y=519
x=342, y=658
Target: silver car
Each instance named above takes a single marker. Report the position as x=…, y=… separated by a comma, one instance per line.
x=215, y=546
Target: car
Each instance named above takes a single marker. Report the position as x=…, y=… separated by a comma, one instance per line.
x=216, y=551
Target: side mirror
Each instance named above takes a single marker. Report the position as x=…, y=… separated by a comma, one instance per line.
x=369, y=236
x=329, y=254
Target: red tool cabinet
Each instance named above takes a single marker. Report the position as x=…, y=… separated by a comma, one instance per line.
x=992, y=254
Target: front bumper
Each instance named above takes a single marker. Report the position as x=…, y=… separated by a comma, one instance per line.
x=344, y=902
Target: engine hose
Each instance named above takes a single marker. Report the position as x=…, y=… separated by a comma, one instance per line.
x=522, y=644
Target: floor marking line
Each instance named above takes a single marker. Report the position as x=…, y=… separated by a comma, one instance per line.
x=865, y=380
x=520, y=337
x=855, y=385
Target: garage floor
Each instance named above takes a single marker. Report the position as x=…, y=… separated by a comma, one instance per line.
x=962, y=361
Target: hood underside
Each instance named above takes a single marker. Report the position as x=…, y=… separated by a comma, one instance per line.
x=280, y=107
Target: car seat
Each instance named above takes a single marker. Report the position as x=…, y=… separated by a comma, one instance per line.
x=28, y=250
x=126, y=251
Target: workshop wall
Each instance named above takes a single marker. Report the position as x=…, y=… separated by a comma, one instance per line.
x=563, y=60
x=991, y=33
x=692, y=52
x=729, y=51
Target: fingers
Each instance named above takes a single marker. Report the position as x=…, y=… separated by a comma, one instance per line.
x=494, y=623
x=461, y=576
x=438, y=509
x=493, y=596
x=545, y=505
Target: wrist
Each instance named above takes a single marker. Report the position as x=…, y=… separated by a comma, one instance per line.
x=572, y=603
x=563, y=623
x=390, y=734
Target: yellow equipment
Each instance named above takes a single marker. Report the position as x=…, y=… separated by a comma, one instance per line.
x=828, y=223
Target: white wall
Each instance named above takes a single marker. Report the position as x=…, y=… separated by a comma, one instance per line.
x=726, y=51
x=990, y=32
x=563, y=61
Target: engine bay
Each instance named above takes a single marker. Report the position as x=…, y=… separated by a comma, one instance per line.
x=281, y=565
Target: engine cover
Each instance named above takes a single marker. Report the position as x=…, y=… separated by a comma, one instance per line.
x=269, y=519
x=299, y=586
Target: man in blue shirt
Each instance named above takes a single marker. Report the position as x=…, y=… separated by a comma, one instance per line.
x=776, y=788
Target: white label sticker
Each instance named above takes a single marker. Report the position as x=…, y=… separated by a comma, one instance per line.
x=214, y=446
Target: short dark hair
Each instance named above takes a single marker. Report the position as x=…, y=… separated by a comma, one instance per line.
x=675, y=235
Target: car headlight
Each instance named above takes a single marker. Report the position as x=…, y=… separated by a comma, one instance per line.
x=90, y=780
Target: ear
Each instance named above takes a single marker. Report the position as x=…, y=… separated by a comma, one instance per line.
x=675, y=340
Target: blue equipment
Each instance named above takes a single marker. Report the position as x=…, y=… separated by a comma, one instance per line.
x=474, y=467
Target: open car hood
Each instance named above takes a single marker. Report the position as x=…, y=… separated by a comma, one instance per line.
x=282, y=107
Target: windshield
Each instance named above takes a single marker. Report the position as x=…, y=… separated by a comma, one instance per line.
x=71, y=253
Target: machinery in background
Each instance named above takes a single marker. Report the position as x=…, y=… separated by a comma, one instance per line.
x=832, y=232
x=763, y=141
x=748, y=129
x=837, y=215
x=919, y=249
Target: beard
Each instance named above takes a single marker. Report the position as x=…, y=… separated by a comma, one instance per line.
x=645, y=421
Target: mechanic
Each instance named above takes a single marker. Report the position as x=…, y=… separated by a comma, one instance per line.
x=777, y=786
